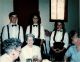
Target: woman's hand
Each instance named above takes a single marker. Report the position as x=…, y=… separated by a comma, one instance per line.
x=58, y=50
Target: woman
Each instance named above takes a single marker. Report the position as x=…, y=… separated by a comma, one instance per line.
x=12, y=48
x=73, y=52
x=37, y=30
x=59, y=41
x=30, y=51
x=73, y=34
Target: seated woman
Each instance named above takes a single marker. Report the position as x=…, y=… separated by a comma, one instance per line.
x=59, y=42
x=73, y=52
x=73, y=34
x=12, y=48
x=30, y=51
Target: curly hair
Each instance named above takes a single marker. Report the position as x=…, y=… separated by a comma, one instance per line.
x=10, y=44
x=12, y=13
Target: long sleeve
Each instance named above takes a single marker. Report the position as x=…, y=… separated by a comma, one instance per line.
x=42, y=33
x=13, y=32
x=58, y=38
x=4, y=34
x=21, y=34
x=39, y=54
x=51, y=40
x=28, y=30
x=35, y=32
x=66, y=40
x=22, y=57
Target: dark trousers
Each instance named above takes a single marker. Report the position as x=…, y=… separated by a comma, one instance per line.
x=57, y=56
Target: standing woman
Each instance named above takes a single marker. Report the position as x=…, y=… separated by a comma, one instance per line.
x=37, y=30
x=59, y=41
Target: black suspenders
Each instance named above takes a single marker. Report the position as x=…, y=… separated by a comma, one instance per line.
x=2, y=33
x=30, y=29
x=62, y=36
x=39, y=28
x=9, y=34
x=19, y=32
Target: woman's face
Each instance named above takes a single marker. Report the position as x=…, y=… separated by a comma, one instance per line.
x=74, y=40
x=35, y=19
x=78, y=42
x=59, y=26
x=30, y=41
x=17, y=52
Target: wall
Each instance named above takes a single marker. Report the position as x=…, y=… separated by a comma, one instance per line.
x=6, y=6
x=44, y=12
x=79, y=19
x=73, y=17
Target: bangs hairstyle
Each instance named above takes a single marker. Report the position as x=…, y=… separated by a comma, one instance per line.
x=11, y=44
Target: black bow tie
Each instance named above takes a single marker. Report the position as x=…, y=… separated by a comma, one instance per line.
x=14, y=25
x=60, y=31
x=35, y=25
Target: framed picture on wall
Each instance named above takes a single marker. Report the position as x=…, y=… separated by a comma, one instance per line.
x=58, y=10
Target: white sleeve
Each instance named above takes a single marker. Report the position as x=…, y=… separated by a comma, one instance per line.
x=42, y=33
x=21, y=56
x=5, y=34
x=21, y=37
x=51, y=40
x=28, y=30
x=66, y=40
x=39, y=53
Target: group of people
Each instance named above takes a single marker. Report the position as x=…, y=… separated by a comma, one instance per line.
x=62, y=44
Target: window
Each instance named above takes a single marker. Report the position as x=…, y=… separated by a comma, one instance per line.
x=58, y=10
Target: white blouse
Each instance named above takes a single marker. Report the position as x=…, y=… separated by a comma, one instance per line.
x=58, y=38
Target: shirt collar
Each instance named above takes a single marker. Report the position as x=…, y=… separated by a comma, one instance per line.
x=35, y=24
x=60, y=30
x=12, y=24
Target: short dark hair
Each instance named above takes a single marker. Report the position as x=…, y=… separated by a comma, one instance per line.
x=71, y=34
x=12, y=13
x=10, y=44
